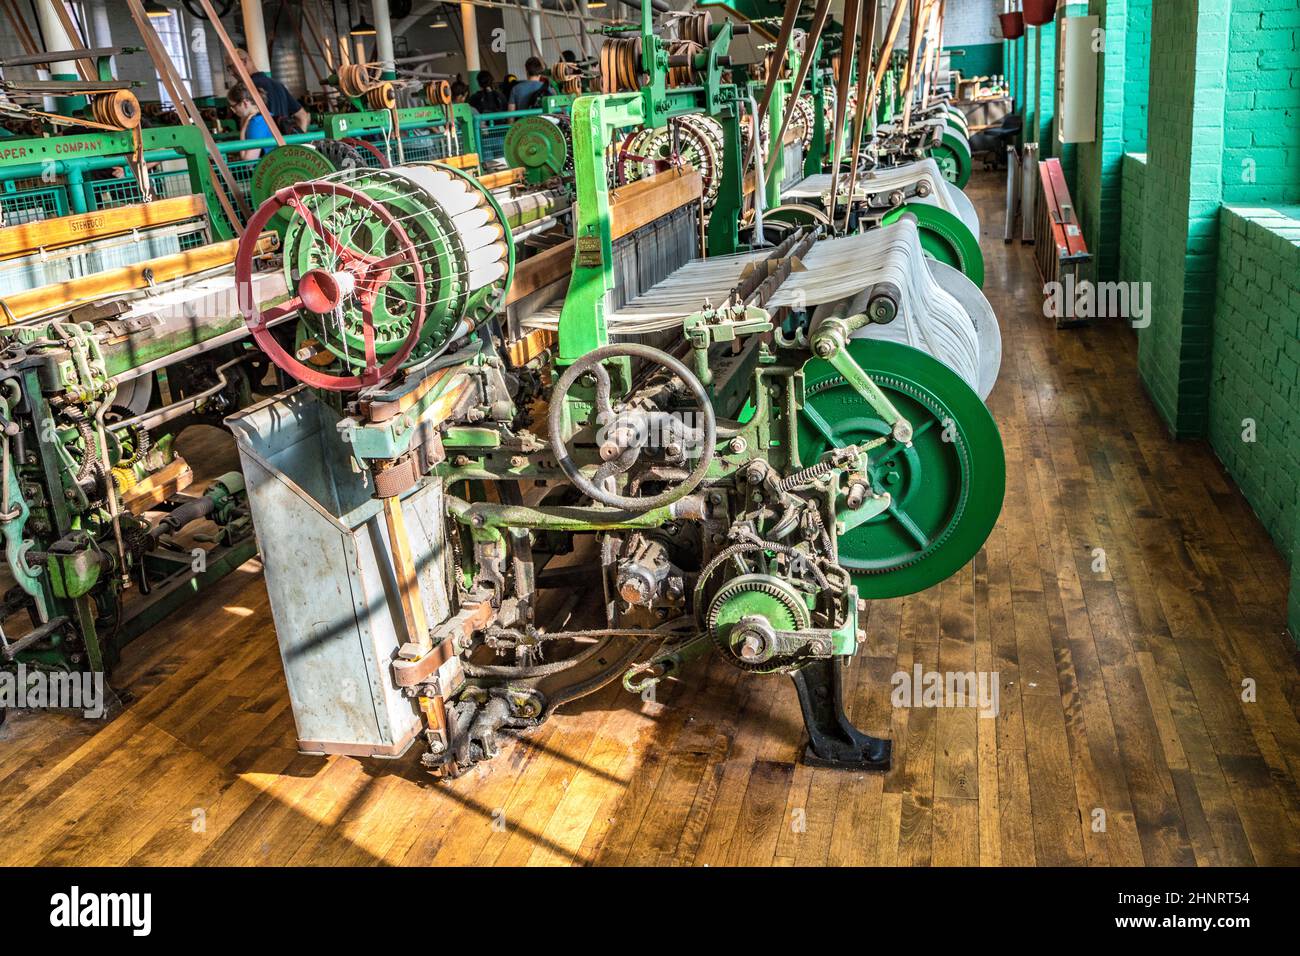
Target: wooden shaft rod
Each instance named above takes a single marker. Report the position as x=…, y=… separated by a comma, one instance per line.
x=805, y=64
x=866, y=104
x=852, y=18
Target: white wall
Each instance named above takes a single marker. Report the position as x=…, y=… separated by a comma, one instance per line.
x=965, y=21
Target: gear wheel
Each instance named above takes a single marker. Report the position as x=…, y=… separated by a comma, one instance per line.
x=762, y=595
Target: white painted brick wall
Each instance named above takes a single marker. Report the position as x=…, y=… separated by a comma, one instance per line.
x=968, y=21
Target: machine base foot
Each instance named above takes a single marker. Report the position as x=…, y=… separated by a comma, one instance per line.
x=832, y=740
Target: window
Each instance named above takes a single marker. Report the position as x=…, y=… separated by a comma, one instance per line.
x=172, y=35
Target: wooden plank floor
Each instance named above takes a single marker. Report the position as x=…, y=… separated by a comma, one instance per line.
x=1122, y=736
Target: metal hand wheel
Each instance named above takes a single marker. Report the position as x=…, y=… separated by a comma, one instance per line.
x=356, y=273
x=621, y=456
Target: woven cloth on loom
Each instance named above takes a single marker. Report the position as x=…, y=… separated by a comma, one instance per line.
x=928, y=318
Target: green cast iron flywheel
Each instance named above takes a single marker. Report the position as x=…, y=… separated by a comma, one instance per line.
x=944, y=237
x=946, y=488
x=953, y=157
x=540, y=144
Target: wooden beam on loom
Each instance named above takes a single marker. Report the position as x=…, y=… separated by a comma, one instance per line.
x=887, y=48
x=820, y=15
x=45, y=234
x=866, y=102
x=20, y=28
x=933, y=80
x=852, y=20
x=142, y=275
x=919, y=10
x=326, y=49
x=181, y=97
x=243, y=73
x=928, y=38
x=308, y=57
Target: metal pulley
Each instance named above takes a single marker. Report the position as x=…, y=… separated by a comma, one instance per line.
x=953, y=157
x=119, y=109
x=945, y=483
x=540, y=144
x=438, y=93
x=944, y=237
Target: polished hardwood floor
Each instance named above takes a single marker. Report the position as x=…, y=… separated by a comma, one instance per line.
x=1122, y=736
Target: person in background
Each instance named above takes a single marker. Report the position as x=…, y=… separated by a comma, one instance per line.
x=488, y=99
x=523, y=93
x=282, y=105
x=459, y=91
x=252, y=125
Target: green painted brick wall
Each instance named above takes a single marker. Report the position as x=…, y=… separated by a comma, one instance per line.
x=1044, y=39
x=1261, y=156
x=1181, y=198
x=1068, y=152
x=1256, y=370
x=1256, y=363
x=1137, y=73
x=1030, y=85
x=1122, y=83
x=1130, y=267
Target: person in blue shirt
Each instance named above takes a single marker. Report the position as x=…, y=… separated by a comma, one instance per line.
x=526, y=91
x=282, y=104
x=252, y=125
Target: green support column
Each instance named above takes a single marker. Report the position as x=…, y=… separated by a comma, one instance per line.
x=1122, y=83
x=1068, y=152
x=1029, y=85
x=1044, y=88
x=1181, y=198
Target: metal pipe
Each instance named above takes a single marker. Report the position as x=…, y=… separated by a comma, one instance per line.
x=535, y=26
x=588, y=48
x=57, y=41
x=101, y=30
x=160, y=416
x=545, y=11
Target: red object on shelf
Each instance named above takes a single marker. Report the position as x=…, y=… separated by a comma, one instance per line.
x=1038, y=12
x=1013, y=25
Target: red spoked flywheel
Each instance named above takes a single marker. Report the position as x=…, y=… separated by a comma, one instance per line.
x=323, y=290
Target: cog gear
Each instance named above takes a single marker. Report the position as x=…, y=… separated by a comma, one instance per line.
x=756, y=594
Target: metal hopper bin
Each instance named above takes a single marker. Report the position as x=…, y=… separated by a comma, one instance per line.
x=337, y=615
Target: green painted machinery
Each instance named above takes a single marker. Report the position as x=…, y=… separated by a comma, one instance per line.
x=541, y=145
x=97, y=508
x=738, y=478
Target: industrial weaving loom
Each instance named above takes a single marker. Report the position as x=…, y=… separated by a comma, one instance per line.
x=532, y=456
